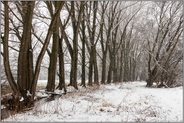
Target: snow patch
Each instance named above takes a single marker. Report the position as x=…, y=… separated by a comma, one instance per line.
x=120, y=102
x=21, y=99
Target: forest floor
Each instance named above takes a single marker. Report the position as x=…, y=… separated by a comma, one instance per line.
x=121, y=102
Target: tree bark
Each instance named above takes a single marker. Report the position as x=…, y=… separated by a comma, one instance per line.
x=25, y=59
x=93, y=60
x=104, y=68
x=54, y=53
x=83, y=83
x=74, y=60
x=109, y=77
x=96, y=79
x=6, y=51
x=44, y=48
x=61, y=68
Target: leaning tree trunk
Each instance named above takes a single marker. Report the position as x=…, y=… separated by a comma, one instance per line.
x=6, y=51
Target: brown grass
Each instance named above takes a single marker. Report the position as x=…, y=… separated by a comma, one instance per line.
x=5, y=89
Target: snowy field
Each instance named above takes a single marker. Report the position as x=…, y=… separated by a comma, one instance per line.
x=122, y=102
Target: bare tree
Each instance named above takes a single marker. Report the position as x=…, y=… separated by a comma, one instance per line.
x=159, y=56
x=54, y=52
x=76, y=20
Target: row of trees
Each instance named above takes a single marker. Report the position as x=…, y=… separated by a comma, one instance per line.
x=107, y=41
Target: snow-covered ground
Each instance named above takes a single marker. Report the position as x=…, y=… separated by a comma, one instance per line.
x=122, y=102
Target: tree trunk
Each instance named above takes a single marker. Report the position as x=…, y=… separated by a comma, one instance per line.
x=96, y=80
x=114, y=68
x=90, y=75
x=104, y=68
x=74, y=60
x=43, y=50
x=25, y=60
x=6, y=51
x=53, y=56
x=149, y=80
x=83, y=83
x=109, y=78
x=121, y=66
x=126, y=69
x=30, y=67
x=93, y=59
x=61, y=68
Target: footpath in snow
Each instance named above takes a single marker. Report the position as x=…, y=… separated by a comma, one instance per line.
x=122, y=102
